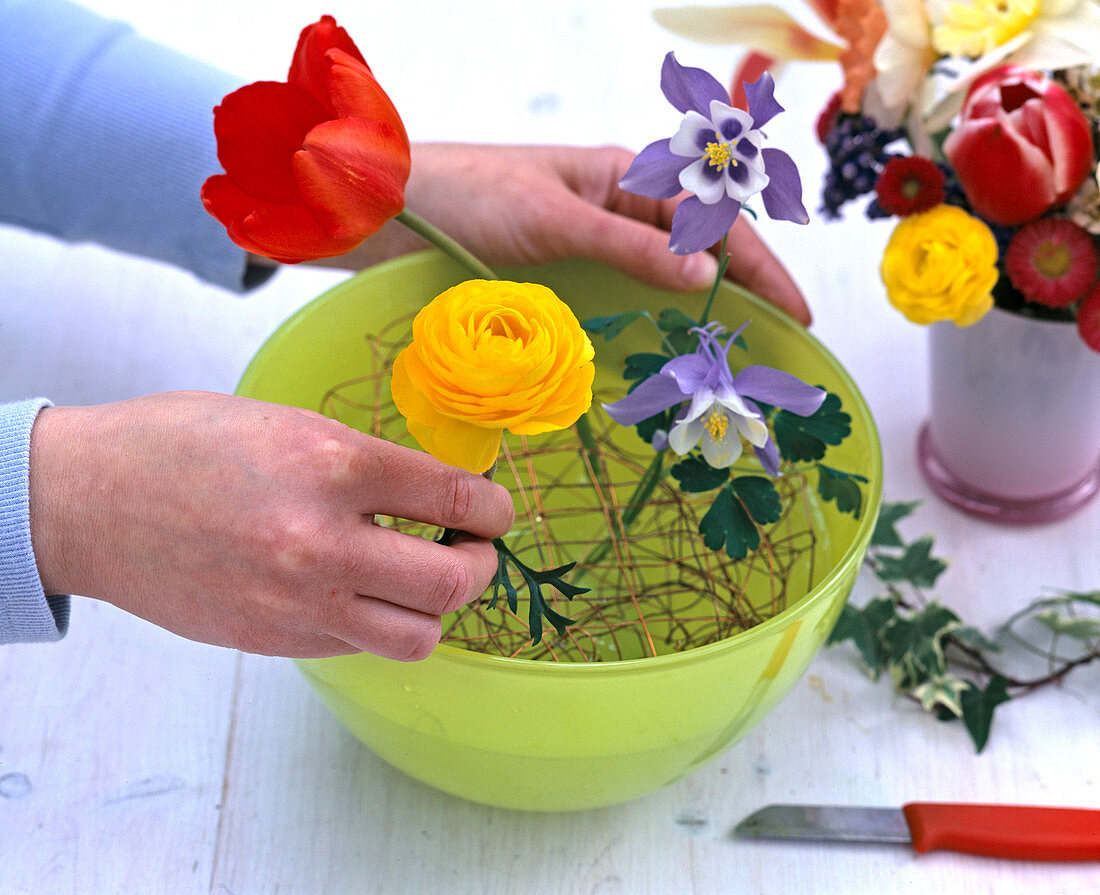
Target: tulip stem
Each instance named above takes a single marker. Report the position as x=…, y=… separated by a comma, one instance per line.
x=444, y=243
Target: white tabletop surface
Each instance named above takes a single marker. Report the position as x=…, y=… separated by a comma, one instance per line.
x=144, y=763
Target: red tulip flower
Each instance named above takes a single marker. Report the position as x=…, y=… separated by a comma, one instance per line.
x=314, y=165
x=1022, y=145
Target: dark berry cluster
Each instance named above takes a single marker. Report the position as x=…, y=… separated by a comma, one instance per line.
x=857, y=150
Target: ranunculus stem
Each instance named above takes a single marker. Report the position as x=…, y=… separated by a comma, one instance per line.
x=444, y=243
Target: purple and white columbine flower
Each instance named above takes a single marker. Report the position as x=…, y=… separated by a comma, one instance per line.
x=721, y=411
x=719, y=156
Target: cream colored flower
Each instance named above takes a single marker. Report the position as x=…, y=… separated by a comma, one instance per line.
x=972, y=37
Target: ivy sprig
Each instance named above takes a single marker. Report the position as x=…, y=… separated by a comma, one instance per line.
x=950, y=668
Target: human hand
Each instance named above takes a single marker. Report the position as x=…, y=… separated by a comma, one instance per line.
x=251, y=525
x=517, y=205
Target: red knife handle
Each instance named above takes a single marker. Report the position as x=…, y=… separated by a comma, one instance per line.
x=1006, y=831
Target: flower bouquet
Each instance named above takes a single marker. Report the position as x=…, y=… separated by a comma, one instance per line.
x=655, y=555
x=977, y=126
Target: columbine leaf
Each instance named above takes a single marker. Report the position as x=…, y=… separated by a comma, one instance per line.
x=671, y=319
x=805, y=438
x=728, y=523
x=978, y=707
x=945, y=691
x=643, y=365
x=916, y=565
x=885, y=534
x=695, y=475
x=611, y=325
x=760, y=498
x=677, y=326
x=842, y=488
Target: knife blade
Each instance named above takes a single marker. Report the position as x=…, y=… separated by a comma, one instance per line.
x=1023, y=832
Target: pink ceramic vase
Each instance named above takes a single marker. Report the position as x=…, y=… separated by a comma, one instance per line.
x=1013, y=432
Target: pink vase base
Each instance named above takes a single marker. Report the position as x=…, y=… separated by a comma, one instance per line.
x=1032, y=511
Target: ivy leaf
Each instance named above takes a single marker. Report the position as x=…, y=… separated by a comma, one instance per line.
x=861, y=626
x=978, y=707
x=916, y=565
x=760, y=498
x=695, y=475
x=914, y=645
x=611, y=325
x=643, y=365
x=945, y=691
x=842, y=488
x=971, y=636
x=885, y=534
x=805, y=438
x=1062, y=625
x=728, y=523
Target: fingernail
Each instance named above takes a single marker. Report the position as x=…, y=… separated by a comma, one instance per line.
x=699, y=270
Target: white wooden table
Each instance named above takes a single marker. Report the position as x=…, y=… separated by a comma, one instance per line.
x=132, y=761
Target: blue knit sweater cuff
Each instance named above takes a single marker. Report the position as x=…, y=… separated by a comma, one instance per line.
x=26, y=613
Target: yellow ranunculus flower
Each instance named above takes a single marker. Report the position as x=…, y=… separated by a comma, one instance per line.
x=486, y=356
x=941, y=265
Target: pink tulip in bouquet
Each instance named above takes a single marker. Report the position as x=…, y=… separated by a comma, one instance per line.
x=976, y=124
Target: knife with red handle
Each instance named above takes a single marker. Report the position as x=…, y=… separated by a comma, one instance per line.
x=1021, y=832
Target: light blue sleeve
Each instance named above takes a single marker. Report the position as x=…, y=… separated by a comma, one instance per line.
x=107, y=137
x=26, y=613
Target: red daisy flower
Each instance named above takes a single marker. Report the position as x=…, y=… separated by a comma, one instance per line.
x=1088, y=318
x=909, y=184
x=1051, y=261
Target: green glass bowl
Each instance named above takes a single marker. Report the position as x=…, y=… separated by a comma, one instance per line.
x=549, y=736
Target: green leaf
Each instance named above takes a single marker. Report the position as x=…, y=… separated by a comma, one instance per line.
x=502, y=580
x=841, y=488
x=914, y=645
x=760, y=498
x=643, y=365
x=539, y=608
x=805, y=438
x=916, y=565
x=695, y=475
x=677, y=325
x=862, y=627
x=673, y=318
x=611, y=325
x=728, y=524
x=945, y=691
x=1063, y=625
x=971, y=636
x=885, y=534
x=978, y=707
